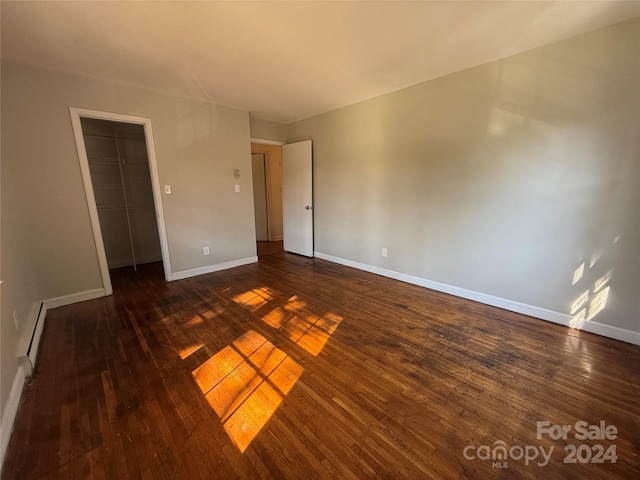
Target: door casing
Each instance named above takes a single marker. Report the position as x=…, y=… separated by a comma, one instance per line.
x=76, y=114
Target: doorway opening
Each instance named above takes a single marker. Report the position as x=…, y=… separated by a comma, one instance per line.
x=266, y=163
x=119, y=171
x=260, y=201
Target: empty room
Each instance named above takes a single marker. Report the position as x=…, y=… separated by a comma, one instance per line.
x=341, y=240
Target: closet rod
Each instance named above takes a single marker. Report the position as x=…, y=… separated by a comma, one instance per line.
x=115, y=135
x=126, y=206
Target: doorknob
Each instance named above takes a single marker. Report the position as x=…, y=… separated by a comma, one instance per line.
x=308, y=207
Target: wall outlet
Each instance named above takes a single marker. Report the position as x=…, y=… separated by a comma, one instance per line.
x=15, y=319
x=384, y=252
x=206, y=250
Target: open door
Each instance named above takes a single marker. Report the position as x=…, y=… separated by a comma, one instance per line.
x=297, y=198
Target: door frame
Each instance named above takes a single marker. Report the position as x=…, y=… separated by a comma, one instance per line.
x=76, y=115
x=256, y=143
x=267, y=142
x=267, y=200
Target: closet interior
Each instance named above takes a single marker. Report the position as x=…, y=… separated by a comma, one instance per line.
x=121, y=179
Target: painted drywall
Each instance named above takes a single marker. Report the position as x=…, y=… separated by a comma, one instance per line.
x=267, y=130
x=517, y=179
x=48, y=250
x=20, y=293
x=198, y=145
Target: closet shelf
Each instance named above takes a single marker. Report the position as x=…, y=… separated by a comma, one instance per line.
x=108, y=187
x=114, y=163
x=104, y=160
x=113, y=186
x=113, y=137
x=122, y=206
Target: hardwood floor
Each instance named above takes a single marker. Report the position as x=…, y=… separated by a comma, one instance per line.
x=269, y=248
x=298, y=368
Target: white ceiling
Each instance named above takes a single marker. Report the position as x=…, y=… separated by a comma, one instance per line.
x=285, y=61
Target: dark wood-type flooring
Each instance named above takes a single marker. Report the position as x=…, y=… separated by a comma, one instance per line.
x=269, y=248
x=299, y=368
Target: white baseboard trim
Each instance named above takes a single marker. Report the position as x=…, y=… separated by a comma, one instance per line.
x=10, y=412
x=74, y=298
x=213, y=268
x=609, y=331
x=27, y=347
x=27, y=354
x=277, y=238
x=617, y=333
x=32, y=350
x=32, y=325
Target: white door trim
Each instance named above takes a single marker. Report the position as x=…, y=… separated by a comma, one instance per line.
x=76, y=114
x=261, y=141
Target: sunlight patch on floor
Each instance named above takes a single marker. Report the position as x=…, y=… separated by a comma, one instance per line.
x=190, y=350
x=244, y=384
x=308, y=330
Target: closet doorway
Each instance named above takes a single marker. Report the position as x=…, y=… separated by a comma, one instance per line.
x=120, y=176
x=266, y=163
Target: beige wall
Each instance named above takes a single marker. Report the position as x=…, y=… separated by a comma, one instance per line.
x=502, y=179
x=20, y=291
x=266, y=130
x=47, y=244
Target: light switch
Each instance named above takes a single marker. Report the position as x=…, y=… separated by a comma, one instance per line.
x=167, y=189
x=237, y=188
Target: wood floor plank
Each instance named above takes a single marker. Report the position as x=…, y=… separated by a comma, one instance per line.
x=382, y=380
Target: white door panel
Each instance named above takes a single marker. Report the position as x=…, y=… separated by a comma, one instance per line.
x=297, y=198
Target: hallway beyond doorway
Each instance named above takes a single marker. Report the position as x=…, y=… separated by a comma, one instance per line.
x=269, y=248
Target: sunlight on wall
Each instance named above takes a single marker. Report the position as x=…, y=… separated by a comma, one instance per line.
x=602, y=281
x=245, y=383
x=590, y=302
x=501, y=120
x=597, y=304
x=599, y=295
x=579, y=302
x=578, y=319
x=578, y=273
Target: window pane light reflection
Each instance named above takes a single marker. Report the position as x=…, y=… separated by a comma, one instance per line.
x=308, y=330
x=244, y=384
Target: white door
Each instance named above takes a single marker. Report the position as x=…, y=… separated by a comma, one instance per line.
x=260, y=197
x=297, y=198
